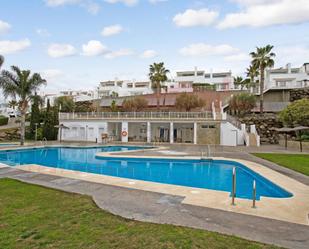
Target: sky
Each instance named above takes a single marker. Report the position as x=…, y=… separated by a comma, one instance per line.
x=75, y=44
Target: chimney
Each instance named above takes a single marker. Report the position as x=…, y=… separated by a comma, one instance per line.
x=288, y=67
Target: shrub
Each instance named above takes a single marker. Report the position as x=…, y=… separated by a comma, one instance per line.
x=242, y=103
x=3, y=120
x=296, y=113
x=188, y=102
x=135, y=104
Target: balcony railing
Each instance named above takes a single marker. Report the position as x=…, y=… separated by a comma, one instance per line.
x=137, y=115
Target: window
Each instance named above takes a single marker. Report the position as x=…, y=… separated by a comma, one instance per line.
x=208, y=126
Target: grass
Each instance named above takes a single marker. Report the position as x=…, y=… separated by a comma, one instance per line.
x=36, y=217
x=297, y=162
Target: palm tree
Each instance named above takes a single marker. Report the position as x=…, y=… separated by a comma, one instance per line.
x=12, y=104
x=252, y=72
x=239, y=81
x=157, y=75
x=262, y=59
x=20, y=84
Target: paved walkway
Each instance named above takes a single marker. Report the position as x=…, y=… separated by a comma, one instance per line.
x=160, y=208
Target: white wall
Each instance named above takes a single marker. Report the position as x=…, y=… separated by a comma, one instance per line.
x=230, y=135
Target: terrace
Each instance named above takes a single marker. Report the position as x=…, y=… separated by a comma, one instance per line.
x=207, y=115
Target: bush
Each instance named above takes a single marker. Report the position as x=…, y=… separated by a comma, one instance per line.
x=296, y=113
x=135, y=104
x=4, y=120
x=242, y=104
x=188, y=102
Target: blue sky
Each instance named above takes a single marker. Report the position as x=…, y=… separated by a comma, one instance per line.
x=75, y=44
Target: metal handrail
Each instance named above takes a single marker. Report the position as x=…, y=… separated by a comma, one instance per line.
x=136, y=115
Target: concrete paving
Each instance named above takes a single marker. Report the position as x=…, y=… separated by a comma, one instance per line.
x=162, y=208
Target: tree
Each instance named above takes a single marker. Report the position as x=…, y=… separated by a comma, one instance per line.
x=157, y=75
x=12, y=104
x=20, y=84
x=188, y=102
x=252, y=72
x=135, y=104
x=296, y=113
x=239, y=81
x=84, y=106
x=50, y=132
x=114, y=107
x=262, y=59
x=65, y=103
x=1, y=60
x=35, y=118
x=242, y=103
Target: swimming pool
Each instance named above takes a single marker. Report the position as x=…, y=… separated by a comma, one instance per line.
x=209, y=174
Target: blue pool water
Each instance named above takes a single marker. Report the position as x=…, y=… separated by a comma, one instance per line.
x=5, y=145
x=216, y=174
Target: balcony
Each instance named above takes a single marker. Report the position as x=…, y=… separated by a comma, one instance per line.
x=137, y=116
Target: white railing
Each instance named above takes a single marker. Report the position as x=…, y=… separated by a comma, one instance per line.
x=136, y=115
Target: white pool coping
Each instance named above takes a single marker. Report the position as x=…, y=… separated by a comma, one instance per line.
x=293, y=209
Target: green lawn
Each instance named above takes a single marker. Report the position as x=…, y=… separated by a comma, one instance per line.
x=36, y=217
x=297, y=162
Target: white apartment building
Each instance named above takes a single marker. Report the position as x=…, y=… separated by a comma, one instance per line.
x=223, y=81
x=77, y=95
x=286, y=78
x=123, y=88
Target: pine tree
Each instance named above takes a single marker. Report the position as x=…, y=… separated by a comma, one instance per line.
x=35, y=116
x=49, y=130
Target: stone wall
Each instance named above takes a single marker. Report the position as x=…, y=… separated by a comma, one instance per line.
x=9, y=134
x=263, y=124
x=296, y=94
x=208, y=133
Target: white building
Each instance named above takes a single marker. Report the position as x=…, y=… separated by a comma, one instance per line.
x=152, y=127
x=123, y=88
x=76, y=95
x=188, y=79
x=286, y=78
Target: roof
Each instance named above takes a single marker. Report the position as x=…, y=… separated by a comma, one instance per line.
x=170, y=98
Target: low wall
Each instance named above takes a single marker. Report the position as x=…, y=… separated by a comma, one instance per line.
x=263, y=124
x=297, y=94
x=295, y=144
x=9, y=134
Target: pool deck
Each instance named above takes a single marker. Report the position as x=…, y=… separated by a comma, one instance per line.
x=162, y=208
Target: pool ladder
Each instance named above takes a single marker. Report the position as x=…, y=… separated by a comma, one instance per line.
x=205, y=154
x=44, y=141
x=233, y=193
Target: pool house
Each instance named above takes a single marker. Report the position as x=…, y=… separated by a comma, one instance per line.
x=150, y=127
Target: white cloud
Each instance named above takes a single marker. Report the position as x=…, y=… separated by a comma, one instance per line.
x=190, y=18
x=112, y=30
x=43, y=32
x=4, y=27
x=91, y=6
x=296, y=54
x=266, y=13
x=147, y=54
x=56, y=3
x=57, y=50
x=119, y=53
x=126, y=2
x=94, y=48
x=10, y=47
x=203, y=49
